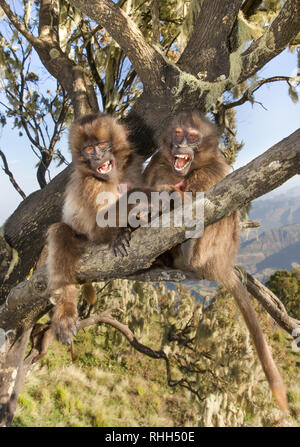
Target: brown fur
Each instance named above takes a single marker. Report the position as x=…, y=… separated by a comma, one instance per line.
x=66, y=240
x=213, y=255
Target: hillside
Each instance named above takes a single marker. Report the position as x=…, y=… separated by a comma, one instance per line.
x=112, y=385
x=276, y=243
x=277, y=210
x=271, y=250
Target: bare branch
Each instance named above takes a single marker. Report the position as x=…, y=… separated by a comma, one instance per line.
x=147, y=62
x=269, y=301
x=47, y=153
x=44, y=336
x=11, y=177
x=95, y=73
x=250, y=224
x=106, y=318
x=248, y=94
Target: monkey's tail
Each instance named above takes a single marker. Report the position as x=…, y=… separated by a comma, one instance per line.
x=89, y=293
x=64, y=249
x=236, y=288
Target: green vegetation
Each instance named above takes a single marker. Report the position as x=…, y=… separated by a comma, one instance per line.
x=209, y=350
x=286, y=285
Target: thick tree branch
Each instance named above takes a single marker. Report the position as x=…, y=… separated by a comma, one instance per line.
x=207, y=49
x=155, y=22
x=49, y=20
x=12, y=377
x=30, y=299
x=147, y=62
x=25, y=229
x=250, y=7
x=282, y=30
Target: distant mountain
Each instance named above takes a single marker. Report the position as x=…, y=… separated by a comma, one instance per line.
x=274, y=245
x=271, y=250
x=277, y=210
x=282, y=192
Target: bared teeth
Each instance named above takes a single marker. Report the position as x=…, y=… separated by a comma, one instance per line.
x=179, y=166
x=186, y=157
x=105, y=167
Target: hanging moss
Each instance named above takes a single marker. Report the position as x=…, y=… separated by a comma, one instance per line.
x=247, y=30
x=189, y=21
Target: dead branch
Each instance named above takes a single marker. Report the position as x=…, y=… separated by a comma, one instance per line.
x=269, y=301
x=248, y=94
x=250, y=224
x=11, y=176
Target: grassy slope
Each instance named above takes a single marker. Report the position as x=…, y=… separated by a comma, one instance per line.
x=101, y=389
x=117, y=387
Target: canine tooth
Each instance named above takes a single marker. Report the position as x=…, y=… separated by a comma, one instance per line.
x=186, y=157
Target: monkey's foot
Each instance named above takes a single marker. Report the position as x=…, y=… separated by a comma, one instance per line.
x=64, y=321
x=122, y=242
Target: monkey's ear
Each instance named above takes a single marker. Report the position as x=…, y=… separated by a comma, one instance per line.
x=76, y=137
x=165, y=139
x=119, y=135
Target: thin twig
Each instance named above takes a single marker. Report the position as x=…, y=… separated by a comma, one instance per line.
x=11, y=177
x=247, y=96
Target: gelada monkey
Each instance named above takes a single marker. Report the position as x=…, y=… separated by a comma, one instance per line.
x=102, y=159
x=189, y=157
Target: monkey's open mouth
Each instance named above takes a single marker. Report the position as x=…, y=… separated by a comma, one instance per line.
x=106, y=167
x=181, y=161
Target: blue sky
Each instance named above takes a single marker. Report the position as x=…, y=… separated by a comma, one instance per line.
x=260, y=128
x=257, y=127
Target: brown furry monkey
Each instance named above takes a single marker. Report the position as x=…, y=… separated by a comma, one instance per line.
x=103, y=159
x=189, y=157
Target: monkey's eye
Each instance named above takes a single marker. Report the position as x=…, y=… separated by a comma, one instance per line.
x=178, y=133
x=88, y=149
x=193, y=137
x=101, y=144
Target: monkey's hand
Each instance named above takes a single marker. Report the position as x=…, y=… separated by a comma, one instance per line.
x=64, y=321
x=122, y=242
